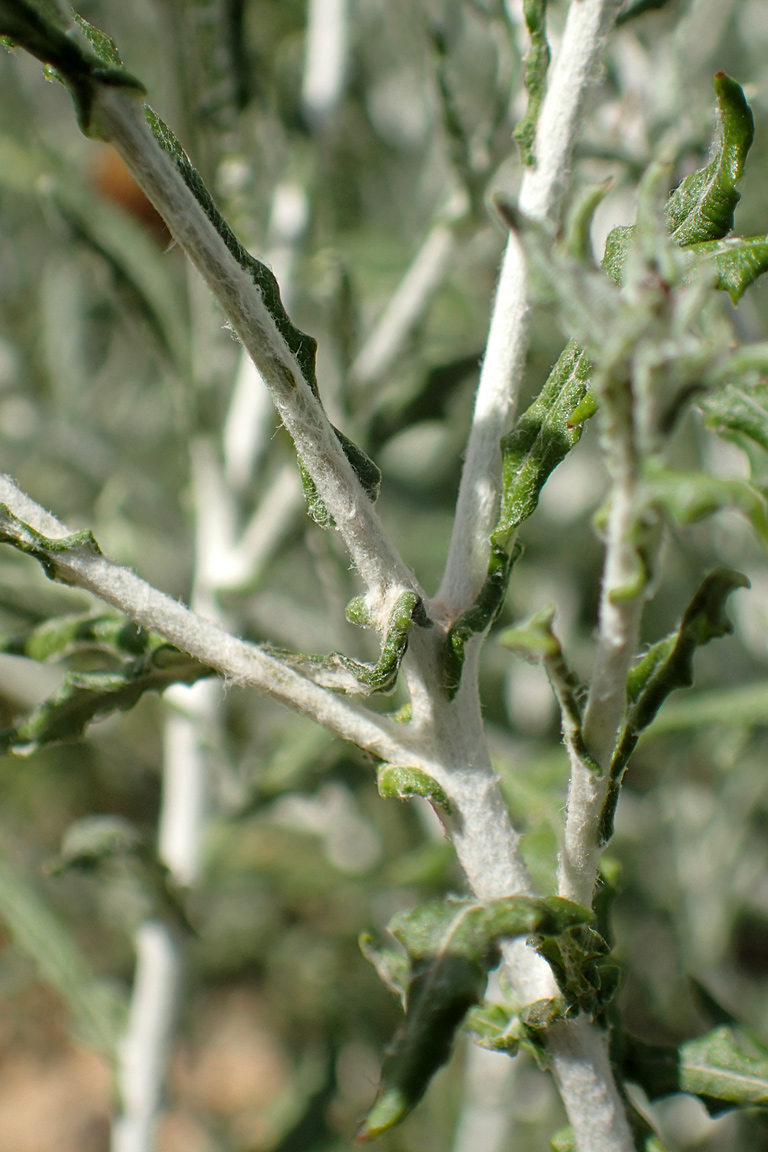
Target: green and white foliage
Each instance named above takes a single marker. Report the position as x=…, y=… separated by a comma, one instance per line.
x=604, y=825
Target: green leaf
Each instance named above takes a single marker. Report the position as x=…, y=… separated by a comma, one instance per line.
x=133, y=258
x=103, y=45
x=743, y=707
x=504, y=1029
x=740, y=410
x=541, y=439
x=586, y=976
x=38, y=27
x=726, y=1068
x=45, y=549
x=391, y=964
x=62, y=636
x=537, y=642
x=688, y=497
x=637, y=8
x=451, y=947
x=738, y=262
x=578, y=224
x=111, y=844
x=348, y=675
x=402, y=783
x=87, y=696
x=665, y=668
x=478, y=617
x=702, y=206
x=35, y=930
x=536, y=65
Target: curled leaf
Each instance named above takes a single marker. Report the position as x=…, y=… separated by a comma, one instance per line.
x=451, y=948
x=403, y=783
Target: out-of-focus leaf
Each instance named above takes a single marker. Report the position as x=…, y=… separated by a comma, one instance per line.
x=103, y=844
x=87, y=696
x=688, y=497
x=391, y=964
x=638, y=7
x=740, y=410
x=738, y=262
x=133, y=257
x=61, y=636
x=665, y=668
x=38, y=932
x=451, y=947
x=726, y=1068
x=743, y=707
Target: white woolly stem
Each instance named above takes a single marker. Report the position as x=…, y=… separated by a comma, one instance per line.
x=574, y=69
x=146, y=1046
x=582, y=1071
x=484, y=1121
x=120, y=119
x=245, y=664
x=325, y=61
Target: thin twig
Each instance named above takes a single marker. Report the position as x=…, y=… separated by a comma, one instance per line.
x=574, y=69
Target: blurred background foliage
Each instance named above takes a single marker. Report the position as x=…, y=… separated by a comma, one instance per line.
x=112, y=362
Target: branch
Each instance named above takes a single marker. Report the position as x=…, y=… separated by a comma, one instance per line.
x=75, y=562
x=541, y=192
x=118, y=117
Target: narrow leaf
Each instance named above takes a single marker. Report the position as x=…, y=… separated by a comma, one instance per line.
x=479, y=616
x=688, y=497
x=35, y=930
x=37, y=26
x=738, y=262
x=665, y=668
x=302, y=347
x=541, y=439
x=701, y=208
x=536, y=65
x=740, y=410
